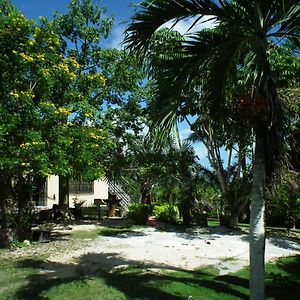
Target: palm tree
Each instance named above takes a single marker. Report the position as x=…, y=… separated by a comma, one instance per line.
x=245, y=30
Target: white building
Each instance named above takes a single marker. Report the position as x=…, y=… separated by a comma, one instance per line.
x=82, y=191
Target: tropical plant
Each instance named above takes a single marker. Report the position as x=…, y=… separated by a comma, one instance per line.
x=234, y=173
x=283, y=201
x=247, y=29
x=166, y=212
x=139, y=213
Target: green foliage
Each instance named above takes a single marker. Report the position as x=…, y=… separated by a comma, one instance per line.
x=139, y=213
x=285, y=66
x=57, y=89
x=166, y=212
x=283, y=201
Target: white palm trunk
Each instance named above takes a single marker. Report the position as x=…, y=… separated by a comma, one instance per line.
x=257, y=222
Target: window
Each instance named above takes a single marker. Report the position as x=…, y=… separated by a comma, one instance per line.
x=81, y=187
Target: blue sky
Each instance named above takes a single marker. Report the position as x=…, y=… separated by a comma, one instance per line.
x=35, y=8
x=122, y=10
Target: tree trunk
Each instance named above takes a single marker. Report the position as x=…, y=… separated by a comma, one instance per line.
x=236, y=211
x=113, y=204
x=146, y=192
x=186, y=210
x=24, y=196
x=63, y=199
x=233, y=221
x=6, y=231
x=257, y=222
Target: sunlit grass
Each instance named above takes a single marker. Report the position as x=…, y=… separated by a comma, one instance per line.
x=22, y=279
x=105, y=231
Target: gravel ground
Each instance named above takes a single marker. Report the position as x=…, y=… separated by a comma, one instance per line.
x=153, y=248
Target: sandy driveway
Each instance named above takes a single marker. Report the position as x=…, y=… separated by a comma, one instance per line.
x=164, y=249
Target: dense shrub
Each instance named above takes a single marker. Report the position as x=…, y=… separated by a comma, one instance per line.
x=166, y=212
x=139, y=213
x=283, y=202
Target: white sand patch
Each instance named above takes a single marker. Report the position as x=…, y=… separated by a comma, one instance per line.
x=228, y=251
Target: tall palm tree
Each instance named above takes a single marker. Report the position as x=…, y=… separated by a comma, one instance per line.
x=245, y=30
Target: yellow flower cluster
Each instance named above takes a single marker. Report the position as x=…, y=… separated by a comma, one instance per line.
x=25, y=145
x=96, y=137
x=63, y=111
x=29, y=144
x=73, y=62
x=72, y=75
x=20, y=94
x=63, y=67
x=47, y=104
x=88, y=115
x=26, y=57
x=40, y=57
x=98, y=77
x=23, y=164
x=45, y=72
x=14, y=94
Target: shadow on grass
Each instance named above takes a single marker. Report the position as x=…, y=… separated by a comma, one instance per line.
x=283, y=281
x=144, y=281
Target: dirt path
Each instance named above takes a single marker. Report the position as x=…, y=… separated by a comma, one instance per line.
x=155, y=249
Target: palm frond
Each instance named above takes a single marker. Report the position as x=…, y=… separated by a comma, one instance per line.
x=204, y=56
x=151, y=14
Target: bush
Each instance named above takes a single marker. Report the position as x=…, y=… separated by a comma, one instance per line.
x=166, y=212
x=139, y=213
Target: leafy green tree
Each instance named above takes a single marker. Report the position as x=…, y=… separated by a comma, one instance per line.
x=283, y=200
x=233, y=174
x=57, y=103
x=106, y=85
x=248, y=30
x=29, y=54
x=234, y=179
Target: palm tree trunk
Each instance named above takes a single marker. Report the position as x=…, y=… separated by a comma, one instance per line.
x=257, y=222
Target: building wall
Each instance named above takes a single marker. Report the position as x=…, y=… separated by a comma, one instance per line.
x=100, y=192
x=52, y=191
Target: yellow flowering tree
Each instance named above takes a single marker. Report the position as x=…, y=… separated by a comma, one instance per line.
x=64, y=104
x=37, y=96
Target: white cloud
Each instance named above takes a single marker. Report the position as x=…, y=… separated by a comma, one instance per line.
x=201, y=151
x=116, y=38
x=185, y=133
x=183, y=26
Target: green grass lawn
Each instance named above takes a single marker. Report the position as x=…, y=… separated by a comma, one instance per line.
x=22, y=279
x=278, y=231
x=107, y=231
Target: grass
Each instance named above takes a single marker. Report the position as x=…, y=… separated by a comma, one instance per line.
x=278, y=231
x=108, y=231
x=21, y=279
x=228, y=258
